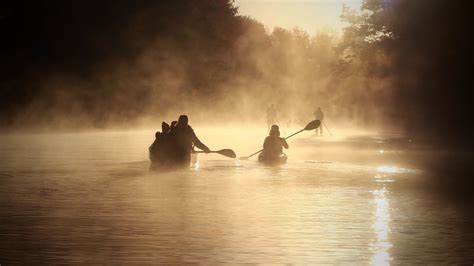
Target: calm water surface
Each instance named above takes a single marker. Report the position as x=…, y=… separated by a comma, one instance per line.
x=89, y=198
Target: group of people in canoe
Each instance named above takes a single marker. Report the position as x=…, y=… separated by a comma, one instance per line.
x=175, y=143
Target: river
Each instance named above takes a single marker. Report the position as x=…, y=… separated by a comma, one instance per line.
x=354, y=198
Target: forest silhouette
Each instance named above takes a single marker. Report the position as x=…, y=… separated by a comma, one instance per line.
x=399, y=62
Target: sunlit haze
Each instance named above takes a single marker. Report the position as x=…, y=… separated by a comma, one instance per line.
x=311, y=16
x=216, y=132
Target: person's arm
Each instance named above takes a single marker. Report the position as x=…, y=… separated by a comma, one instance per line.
x=201, y=145
x=198, y=143
x=284, y=143
x=266, y=143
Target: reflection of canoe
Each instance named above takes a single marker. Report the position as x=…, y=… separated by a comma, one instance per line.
x=272, y=160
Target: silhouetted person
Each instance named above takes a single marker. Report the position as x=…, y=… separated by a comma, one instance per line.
x=271, y=116
x=318, y=114
x=184, y=139
x=173, y=125
x=165, y=128
x=273, y=144
x=160, y=147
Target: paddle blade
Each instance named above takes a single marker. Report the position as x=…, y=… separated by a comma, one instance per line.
x=313, y=125
x=228, y=153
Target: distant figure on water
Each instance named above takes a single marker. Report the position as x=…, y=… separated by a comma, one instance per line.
x=174, y=145
x=271, y=116
x=273, y=145
x=319, y=115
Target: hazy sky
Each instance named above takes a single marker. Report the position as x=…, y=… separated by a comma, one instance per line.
x=309, y=15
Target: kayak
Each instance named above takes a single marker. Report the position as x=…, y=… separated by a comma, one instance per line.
x=272, y=160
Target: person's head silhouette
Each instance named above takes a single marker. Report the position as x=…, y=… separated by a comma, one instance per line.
x=275, y=131
x=165, y=127
x=183, y=120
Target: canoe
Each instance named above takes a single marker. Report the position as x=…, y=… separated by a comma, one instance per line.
x=158, y=163
x=272, y=160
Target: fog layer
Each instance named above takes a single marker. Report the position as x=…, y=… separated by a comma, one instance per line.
x=398, y=64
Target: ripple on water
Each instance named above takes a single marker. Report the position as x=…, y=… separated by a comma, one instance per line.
x=67, y=204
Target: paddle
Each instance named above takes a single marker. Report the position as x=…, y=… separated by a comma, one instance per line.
x=310, y=126
x=327, y=128
x=226, y=152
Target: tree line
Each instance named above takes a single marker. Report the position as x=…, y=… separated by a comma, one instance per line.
x=116, y=61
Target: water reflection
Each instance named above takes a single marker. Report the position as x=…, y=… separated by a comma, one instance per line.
x=194, y=161
x=85, y=202
x=390, y=169
x=381, y=228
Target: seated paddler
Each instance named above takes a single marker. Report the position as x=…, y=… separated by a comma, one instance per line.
x=274, y=144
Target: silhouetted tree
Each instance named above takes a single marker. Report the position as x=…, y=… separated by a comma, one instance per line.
x=114, y=61
x=431, y=63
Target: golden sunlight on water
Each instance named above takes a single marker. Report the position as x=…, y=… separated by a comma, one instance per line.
x=89, y=198
x=381, y=227
x=391, y=169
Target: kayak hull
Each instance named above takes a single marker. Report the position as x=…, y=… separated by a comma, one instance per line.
x=281, y=159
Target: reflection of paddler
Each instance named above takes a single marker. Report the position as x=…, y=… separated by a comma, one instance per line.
x=183, y=139
x=273, y=146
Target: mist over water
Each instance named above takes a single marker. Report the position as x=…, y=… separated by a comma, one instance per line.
x=130, y=64
x=84, y=86
x=89, y=198
x=151, y=60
